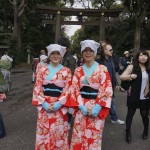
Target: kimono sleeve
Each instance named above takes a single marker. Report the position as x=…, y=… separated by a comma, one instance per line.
x=64, y=97
x=105, y=92
x=75, y=96
x=38, y=95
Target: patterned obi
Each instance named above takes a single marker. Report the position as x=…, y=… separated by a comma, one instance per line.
x=52, y=90
x=88, y=92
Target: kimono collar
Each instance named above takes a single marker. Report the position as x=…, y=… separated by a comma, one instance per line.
x=53, y=71
x=88, y=71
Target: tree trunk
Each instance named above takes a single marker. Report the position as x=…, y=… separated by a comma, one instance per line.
x=140, y=16
x=15, y=32
x=137, y=35
x=16, y=29
x=19, y=39
x=18, y=12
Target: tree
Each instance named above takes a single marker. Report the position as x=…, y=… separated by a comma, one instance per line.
x=138, y=9
x=18, y=6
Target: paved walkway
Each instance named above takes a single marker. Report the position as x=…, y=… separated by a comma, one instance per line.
x=20, y=119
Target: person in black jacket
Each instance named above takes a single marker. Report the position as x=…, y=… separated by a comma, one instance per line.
x=106, y=59
x=68, y=60
x=138, y=94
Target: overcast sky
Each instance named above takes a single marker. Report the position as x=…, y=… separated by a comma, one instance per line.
x=70, y=29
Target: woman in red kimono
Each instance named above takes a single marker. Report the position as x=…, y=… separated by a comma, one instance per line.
x=43, y=62
x=49, y=96
x=91, y=93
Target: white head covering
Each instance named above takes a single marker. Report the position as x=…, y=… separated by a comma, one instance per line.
x=90, y=43
x=55, y=47
x=42, y=57
x=126, y=52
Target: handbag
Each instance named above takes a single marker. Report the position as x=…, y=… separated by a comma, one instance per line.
x=126, y=84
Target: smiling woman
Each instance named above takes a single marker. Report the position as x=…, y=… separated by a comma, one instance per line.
x=91, y=98
x=50, y=95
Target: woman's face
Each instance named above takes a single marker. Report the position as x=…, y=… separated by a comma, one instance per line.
x=142, y=58
x=55, y=57
x=88, y=55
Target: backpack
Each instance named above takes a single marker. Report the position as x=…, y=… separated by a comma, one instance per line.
x=5, y=64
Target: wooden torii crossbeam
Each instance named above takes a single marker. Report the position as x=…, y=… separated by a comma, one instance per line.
x=61, y=12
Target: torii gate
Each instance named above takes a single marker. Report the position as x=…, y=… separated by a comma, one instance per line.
x=60, y=12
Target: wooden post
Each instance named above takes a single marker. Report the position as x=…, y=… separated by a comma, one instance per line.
x=102, y=27
x=58, y=26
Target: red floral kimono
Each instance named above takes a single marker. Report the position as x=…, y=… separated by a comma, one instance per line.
x=52, y=128
x=87, y=131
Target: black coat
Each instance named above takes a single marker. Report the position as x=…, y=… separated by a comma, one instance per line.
x=133, y=98
x=69, y=61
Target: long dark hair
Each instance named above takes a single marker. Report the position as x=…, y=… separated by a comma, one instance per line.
x=136, y=61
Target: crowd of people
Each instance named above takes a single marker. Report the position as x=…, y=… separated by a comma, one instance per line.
x=84, y=96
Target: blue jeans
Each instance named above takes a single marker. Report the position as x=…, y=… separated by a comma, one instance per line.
x=112, y=112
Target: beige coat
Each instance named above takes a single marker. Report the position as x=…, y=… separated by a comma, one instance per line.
x=126, y=76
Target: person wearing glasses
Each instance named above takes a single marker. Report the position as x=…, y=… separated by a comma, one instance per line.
x=91, y=94
x=106, y=59
x=50, y=95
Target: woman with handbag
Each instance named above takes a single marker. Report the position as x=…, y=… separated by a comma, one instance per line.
x=50, y=95
x=91, y=93
x=137, y=97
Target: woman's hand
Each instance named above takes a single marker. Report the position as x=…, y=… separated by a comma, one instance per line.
x=133, y=76
x=96, y=109
x=83, y=109
x=56, y=105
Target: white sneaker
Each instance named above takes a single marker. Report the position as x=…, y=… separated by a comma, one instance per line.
x=118, y=122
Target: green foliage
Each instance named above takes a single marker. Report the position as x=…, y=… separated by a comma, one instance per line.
x=121, y=36
x=38, y=36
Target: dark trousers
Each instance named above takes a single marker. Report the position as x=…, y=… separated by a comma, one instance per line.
x=144, y=115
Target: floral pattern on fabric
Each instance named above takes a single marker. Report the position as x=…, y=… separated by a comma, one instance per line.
x=87, y=131
x=52, y=128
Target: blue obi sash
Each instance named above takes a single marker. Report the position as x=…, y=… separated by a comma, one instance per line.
x=88, y=92
x=52, y=90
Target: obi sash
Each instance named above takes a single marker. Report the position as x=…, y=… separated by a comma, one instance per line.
x=88, y=92
x=52, y=90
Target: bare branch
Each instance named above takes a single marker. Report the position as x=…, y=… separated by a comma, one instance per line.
x=21, y=6
x=21, y=12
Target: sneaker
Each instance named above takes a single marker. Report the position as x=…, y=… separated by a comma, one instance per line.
x=1, y=100
x=118, y=122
